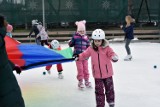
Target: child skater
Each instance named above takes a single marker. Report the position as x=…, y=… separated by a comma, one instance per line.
x=80, y=42
x=55, y=46
x=128, y=29
x=101, y=56
x=43, y=35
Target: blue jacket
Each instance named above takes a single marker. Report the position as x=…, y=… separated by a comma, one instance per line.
x=129, y=32
x=80, y=43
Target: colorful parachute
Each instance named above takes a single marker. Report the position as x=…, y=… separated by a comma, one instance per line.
x=29, y=56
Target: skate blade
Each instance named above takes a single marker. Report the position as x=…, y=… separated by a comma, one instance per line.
x=127, y=59
x=89, y=87
x=81, y=88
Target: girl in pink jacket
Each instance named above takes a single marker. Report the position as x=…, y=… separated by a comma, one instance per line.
x=101, y=56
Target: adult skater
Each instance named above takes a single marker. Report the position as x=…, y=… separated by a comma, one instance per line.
x=10, y=93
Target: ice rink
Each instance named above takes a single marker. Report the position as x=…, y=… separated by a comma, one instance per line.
x=136, y=82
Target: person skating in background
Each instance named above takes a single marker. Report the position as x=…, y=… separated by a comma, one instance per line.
x=80, y=42
x=43, y=35
x=101, y=57
x=36, y=32
x=55, y=46
x=129, y=35
x=10, y=93
x=9, y=30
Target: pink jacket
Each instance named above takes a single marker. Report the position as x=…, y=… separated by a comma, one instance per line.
x=100, y=60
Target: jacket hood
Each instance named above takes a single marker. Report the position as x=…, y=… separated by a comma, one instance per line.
x=104, y=45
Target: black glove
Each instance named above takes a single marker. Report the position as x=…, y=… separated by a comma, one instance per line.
x=75, y=56
x=18, y=69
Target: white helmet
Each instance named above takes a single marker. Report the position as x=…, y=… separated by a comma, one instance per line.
x=34, y=22
x=98, y=34
x=55, y=44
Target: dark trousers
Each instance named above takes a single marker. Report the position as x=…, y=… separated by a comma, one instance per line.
x=101, y=85
x=44, y=42
x=38, y=41
x=128, y=41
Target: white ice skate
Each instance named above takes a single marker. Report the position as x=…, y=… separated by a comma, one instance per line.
x=128, y=58
x=80, y=85
x=60, y=76
x=88, y=84
x=49, y=72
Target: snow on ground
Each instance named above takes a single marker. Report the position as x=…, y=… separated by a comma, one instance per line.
x=137, y=82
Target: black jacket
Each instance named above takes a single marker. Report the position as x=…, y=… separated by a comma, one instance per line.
x=10, y=93
x=35, y=30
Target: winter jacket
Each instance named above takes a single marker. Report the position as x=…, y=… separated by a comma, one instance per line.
x=79, y=42
x=100, y=60
x=43, y=34
x=129, y=32
x=35, y=30
x=10, y=93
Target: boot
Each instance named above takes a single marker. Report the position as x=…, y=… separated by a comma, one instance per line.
x=88, y=84
x=128, y=58
x=80, y=84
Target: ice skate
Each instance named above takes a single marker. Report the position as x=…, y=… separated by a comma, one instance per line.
x=88, y=84
x=49, y=72
x=128, y=58
x=60, y=76
x=111, y=105
x=81, y=85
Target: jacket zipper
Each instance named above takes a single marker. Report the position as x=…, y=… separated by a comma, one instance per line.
x=93, y=70
x=107, y=69
x=81, y=44
x=99, y=66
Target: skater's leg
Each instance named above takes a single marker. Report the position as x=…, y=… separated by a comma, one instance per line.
x=46, y=42
x=42, y=43
x=127, y=46
x=60, y=69
x=99, y=92
x=109, y=91
x=85, y=70
x=86, y=74
x=38, y=41
x=48, y=67
x=80, y=75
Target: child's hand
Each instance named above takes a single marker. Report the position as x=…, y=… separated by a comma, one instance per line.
x=121, y=26
x=18, y=69
x=76, y=57
x=115, y=58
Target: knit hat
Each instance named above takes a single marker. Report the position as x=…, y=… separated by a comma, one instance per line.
x=9, y=28
x=81, y=25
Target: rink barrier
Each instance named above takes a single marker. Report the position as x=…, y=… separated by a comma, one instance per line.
x=64, y=36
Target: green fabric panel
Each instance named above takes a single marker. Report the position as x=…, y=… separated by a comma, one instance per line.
x=67, y=53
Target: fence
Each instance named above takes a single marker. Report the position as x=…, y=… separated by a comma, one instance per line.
x=146, y=10
x=23, y=11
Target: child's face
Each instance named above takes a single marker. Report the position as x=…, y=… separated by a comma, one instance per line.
x=82, y=32
x=98, y=42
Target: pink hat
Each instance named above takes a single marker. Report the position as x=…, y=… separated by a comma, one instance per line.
x=9, y=28
x=81, y=25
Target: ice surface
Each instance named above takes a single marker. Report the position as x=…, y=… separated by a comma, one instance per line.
x=136, y=82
